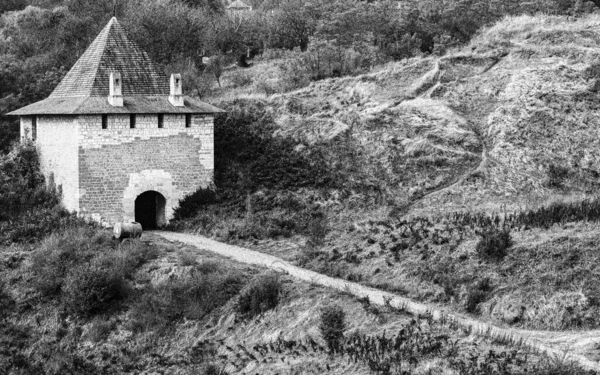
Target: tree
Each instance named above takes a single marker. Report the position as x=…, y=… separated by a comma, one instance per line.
x=291, y=25
x=166, y=30
x=11, y=5
x=214, y=6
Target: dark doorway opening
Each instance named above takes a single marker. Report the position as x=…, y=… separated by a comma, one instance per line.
x=150, y=210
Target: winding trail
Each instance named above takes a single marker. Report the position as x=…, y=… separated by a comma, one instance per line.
x=539, y=341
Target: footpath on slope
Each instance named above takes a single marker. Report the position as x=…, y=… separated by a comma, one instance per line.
x=376, y=296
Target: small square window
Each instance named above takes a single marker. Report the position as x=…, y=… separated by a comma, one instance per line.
x=188, y=121
x=161, y=121
x=33, y=128
x=132, y=121
x=104, y=121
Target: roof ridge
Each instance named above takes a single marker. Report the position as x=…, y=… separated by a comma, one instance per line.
x=60, y=89
x=113, y=51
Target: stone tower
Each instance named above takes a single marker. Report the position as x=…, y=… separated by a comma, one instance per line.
x=120, y=137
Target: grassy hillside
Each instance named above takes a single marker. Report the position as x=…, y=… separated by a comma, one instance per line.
x=82, y=303
x=463, y=180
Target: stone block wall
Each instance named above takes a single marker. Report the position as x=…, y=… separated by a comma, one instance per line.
x=119, y=163
x=57, y=144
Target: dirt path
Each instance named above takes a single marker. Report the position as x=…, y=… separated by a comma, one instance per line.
x=562, y=345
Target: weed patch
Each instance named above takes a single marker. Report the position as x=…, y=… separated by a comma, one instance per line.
x=332, y=325
x=158, y=308
x=262, y=295
x=494, y=244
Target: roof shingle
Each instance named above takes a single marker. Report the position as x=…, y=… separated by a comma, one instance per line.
x=85, y=88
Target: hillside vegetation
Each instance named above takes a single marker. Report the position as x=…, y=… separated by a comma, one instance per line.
x=466, y=180
x=442, y=150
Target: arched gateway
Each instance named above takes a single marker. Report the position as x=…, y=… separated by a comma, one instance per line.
x=150, y=210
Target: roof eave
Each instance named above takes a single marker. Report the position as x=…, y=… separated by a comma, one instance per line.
x=96, y=105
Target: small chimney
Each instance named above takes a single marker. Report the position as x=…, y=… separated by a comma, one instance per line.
x=115, y=96
x=176, y=96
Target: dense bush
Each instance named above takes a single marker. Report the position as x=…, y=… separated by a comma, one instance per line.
x=262, y=295
x=318, y=228
x=192, y=203
x=477, y=293
x=94, y=287
x=159, y=307
x=252, y=157
x=30, y=205
x=494, y=244
x=332, y=325
x=86, y=268
x=556, y=175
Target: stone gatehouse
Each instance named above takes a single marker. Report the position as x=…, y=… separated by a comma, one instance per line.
x=119, y=137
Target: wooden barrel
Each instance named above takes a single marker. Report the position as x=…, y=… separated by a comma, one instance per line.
x=127, y=230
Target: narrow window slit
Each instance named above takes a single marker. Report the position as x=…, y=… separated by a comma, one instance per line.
x=104, y=121
x=188, y=121
x=33, y=128
x=132, y=121
x=161, y=121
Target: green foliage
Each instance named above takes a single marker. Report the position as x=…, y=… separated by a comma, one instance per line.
x=324, y=59
x=494, y=244
x=12, y=5
x=191, y=204
x=100, y=329
x=30, y=207
x=556, y=175
x=318, y=228
x=212, y=369
x=86, y=268
x=252, y=157
x=94, y=287
x=61, y=253
x=6, y=301
x=262, y=295
x=332, y=325
x=476, y=294
x=158, y=308
x=167, y=30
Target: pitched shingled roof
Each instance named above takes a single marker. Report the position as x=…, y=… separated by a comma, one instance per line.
x=85, y=88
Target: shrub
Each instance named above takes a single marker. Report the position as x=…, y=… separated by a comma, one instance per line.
x=556, y=175
x=6, y=301
x=30, y=205
x=261, y=296
x=87, y=268
x=158, y=307
x=494, y=243
x=62, y=252
x=100, y=329
x=332, y=325
x=92, y=288
x=318, y=228
x=477, y=293
x=240, y=78
x=212, y=369
x=192, y=203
